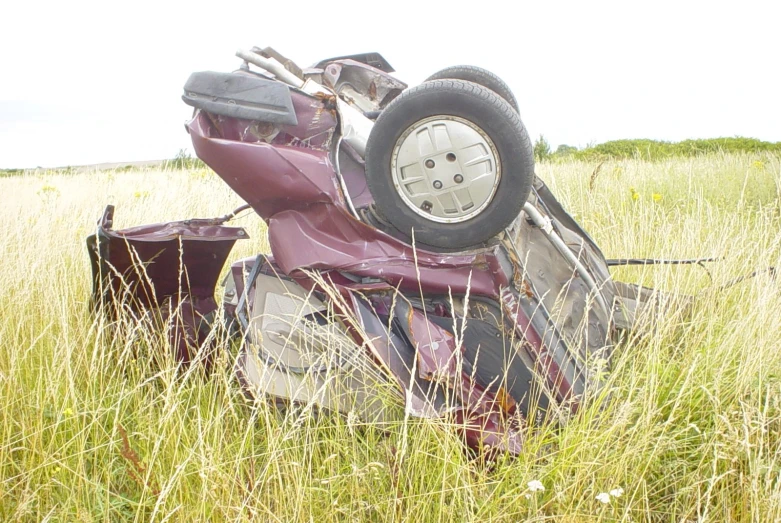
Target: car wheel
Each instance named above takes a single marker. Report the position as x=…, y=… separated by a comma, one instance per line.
x=478, y=75
x=449, y=162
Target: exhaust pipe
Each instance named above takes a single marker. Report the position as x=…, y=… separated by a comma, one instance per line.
x=272, y=66
x=355, y=126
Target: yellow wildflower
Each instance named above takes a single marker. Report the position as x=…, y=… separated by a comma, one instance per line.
x=48, y=190
x=657, y=197
x=68, y=412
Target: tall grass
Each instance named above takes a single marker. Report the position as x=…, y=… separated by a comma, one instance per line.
x=91, y=430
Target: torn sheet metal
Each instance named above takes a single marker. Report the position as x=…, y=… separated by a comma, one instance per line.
x=365, y=87
x=295, y=351
x=151, y=263
x=169, y=269
x=494, y=338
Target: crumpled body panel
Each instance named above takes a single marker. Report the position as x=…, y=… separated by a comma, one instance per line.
x=169, y=269
x=296, y=190
x=492, y=338
x=270, y=178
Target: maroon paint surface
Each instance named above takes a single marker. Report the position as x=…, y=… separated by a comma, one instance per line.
x=287, y=174
x=171, y=268
x=296, y=191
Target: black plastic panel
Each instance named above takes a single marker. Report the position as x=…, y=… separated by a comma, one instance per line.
x=239, y=95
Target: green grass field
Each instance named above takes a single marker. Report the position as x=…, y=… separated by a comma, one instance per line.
x=689, y=426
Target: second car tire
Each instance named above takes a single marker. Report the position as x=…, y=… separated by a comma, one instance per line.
x=478, y=75
x=450, y=163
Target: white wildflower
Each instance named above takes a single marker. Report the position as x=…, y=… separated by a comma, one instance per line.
x=617, y=492
x=536, y=486
x=352, y=422
x=603, y=497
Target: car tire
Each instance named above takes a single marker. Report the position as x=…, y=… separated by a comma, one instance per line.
x=450, y=163
x=478, y=75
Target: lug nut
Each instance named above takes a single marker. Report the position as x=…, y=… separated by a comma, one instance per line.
x=450, y=157
x=458, y=178
x=430, y=164
x=437, y=184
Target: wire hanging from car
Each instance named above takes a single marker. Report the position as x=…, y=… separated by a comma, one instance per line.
x=655, y=261
x=616, y=262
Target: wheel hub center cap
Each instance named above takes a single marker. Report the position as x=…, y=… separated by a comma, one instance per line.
x=445, y=168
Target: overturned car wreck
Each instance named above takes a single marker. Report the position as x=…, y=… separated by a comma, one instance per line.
x=411, y=245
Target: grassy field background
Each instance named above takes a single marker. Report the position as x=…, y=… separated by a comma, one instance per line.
x=689, y=429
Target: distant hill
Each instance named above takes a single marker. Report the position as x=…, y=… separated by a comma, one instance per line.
x=659, y=150
x=87, y=168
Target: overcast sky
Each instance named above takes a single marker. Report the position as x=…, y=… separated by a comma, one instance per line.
x=87, y=82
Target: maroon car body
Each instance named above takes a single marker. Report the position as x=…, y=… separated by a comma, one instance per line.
x=289, y=173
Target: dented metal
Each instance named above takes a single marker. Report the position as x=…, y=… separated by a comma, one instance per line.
x=362, y=85
x=168, y=268
x=496, y=337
